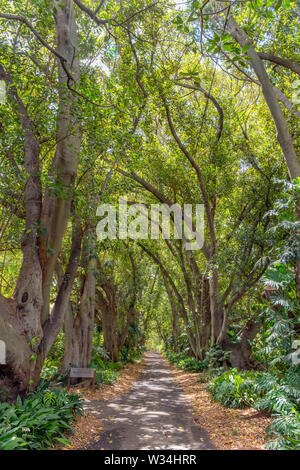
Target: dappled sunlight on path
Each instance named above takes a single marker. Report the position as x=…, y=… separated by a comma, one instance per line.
x=155, y=414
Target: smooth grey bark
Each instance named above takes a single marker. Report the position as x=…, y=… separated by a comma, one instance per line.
x=115, y=329
x=56, y=211
x=25, y=323
x=182, y=310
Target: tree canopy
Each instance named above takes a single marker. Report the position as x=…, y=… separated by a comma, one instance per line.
x=159, y=102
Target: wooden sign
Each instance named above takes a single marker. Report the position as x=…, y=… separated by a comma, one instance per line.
x=82, y=373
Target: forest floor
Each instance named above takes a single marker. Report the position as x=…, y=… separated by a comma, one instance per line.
x=155, y=406
x=229, y=429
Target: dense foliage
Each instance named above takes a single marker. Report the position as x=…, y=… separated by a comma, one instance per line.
x=40, y=420
x=149, y=103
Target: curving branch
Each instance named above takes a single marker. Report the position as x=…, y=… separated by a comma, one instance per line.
x=286, y=102
x=287, y=63
x=91, y=13
x=21, y=19
x=283, y=134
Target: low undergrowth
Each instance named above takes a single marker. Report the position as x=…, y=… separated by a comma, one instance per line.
x=40, y=420
x=107, y=372
x=275, y=393
x=212, y=362
x=184, y=362
x=265, y=391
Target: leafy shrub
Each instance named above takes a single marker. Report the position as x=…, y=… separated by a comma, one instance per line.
x=184, y=362
x=57, y=350
x=106, y=371
x=207, y=375
x=99, y=356
x=215, y=357
x=234, y=389
x=107, y=376
x=132, y=353
x=174, y=357
x=49, y=369
x=265, y=391
x=285, y=432
x=191, y=364
x=38, y=421
x=279, y=395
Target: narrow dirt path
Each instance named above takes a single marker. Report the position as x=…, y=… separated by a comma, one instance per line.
x=155, y=414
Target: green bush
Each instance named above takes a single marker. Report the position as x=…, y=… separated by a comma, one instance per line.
x=184, y=362
x=38, y=421
x=191, y=364
x=279, y=395
x=207, y=375
x=49, y=369
x=235, y=389
x=106, y=371
x=213, y=360
x=285, y=432
x=265, y=391
x=107, y=376
x=131, y=354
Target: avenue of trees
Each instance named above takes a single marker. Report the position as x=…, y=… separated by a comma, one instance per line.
x=161, y=102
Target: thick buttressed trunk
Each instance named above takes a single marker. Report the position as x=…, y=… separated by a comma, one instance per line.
x=15, y=374
x=56, y=210
x=20, y=316
x=25, y=324
x=240, y=352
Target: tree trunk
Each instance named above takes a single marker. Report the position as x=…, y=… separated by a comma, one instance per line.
x=79, y=330
x=205, y=315
x=174, y=314
x=20, y=316
x=240, y=353
x=56, y=210
x=216, y=312
x=26, y=327
x=109, y=321
x=283, y=133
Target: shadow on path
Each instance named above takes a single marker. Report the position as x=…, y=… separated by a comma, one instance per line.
x=153, y=415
